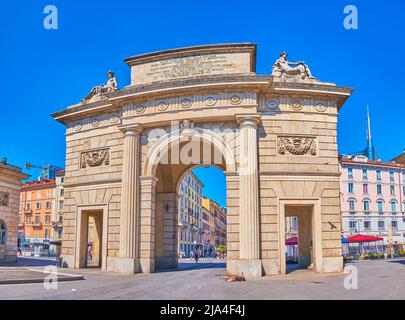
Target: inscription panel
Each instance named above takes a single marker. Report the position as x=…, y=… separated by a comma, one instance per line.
x=191, y=66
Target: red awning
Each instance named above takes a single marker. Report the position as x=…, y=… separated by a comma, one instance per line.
x=363, y=238
x=292, y=241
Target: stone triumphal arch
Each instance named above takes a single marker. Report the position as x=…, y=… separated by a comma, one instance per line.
x=274, y=136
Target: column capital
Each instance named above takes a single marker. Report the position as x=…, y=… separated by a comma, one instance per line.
x=148, y=180
x=132, y=129
x=248, y=120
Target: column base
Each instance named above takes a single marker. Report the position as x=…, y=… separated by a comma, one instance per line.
x=68, y=262
x=249, y=268
x=332, y=264
x=122, y=265
x=270, y=267
x=166, y=263
x=147, y=265
x=9, y=259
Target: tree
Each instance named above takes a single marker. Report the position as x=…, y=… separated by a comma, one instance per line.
x=221, y=249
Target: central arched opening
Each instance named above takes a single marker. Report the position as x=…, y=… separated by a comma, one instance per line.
x=190, y=206
x=201, y=218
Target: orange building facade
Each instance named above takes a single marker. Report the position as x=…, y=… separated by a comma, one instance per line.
x=38, y=203
x=217, y=222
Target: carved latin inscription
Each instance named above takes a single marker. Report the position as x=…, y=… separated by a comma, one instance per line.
x=191, y=66
x=4, y=199
x=297, y=145
x=94, y=158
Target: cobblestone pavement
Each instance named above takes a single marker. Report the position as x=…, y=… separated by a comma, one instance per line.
x=202, y=281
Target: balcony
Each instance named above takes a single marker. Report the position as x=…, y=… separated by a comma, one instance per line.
x=57, y=224
x=352, y=212
x=21, y=225
x=37, y=224
x=367, y=212
x=27, y=211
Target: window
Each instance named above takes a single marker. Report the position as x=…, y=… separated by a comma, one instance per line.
x=62, y=192
x=62, y=180
x=364, y=172
x=393, y=207
x=48, y=205
x=27, y=219
x=28, y=206
x=352, y=225
x=378, y=173
x=47, y=219
x=392, y=190
x=3, y=230
x=367, y=225
x=60, y=233
x=380, y=207
x=38, y=205
x=392, y=176
x=352, y=205
x=350, y=173
x=46, y=233
x=365, y=188
x=394, y=224
x=403, y=190
x=379, y=189
x=366, y=206
x=381, y=225
x=37, y=219
x=61, y=205
x=351, y=187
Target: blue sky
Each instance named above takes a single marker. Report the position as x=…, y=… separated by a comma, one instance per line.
x=45, y=71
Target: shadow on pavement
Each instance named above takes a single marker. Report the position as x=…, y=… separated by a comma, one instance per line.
x=184, y=266
x=397, y=261
x=30, y=262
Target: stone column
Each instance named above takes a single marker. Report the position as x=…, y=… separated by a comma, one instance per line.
x=128, y=250
x=148, y=225
x=249, y=237
x=166, y=228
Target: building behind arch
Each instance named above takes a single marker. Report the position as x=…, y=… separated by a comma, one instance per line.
x=10, y=184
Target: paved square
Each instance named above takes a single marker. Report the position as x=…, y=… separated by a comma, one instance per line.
x=206, y=280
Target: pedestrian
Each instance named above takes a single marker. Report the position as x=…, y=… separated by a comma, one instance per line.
x=196, y=257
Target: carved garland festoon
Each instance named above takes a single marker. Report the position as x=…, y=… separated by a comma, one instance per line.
x=94, y=158
x=297, y=145
x=4, y=199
